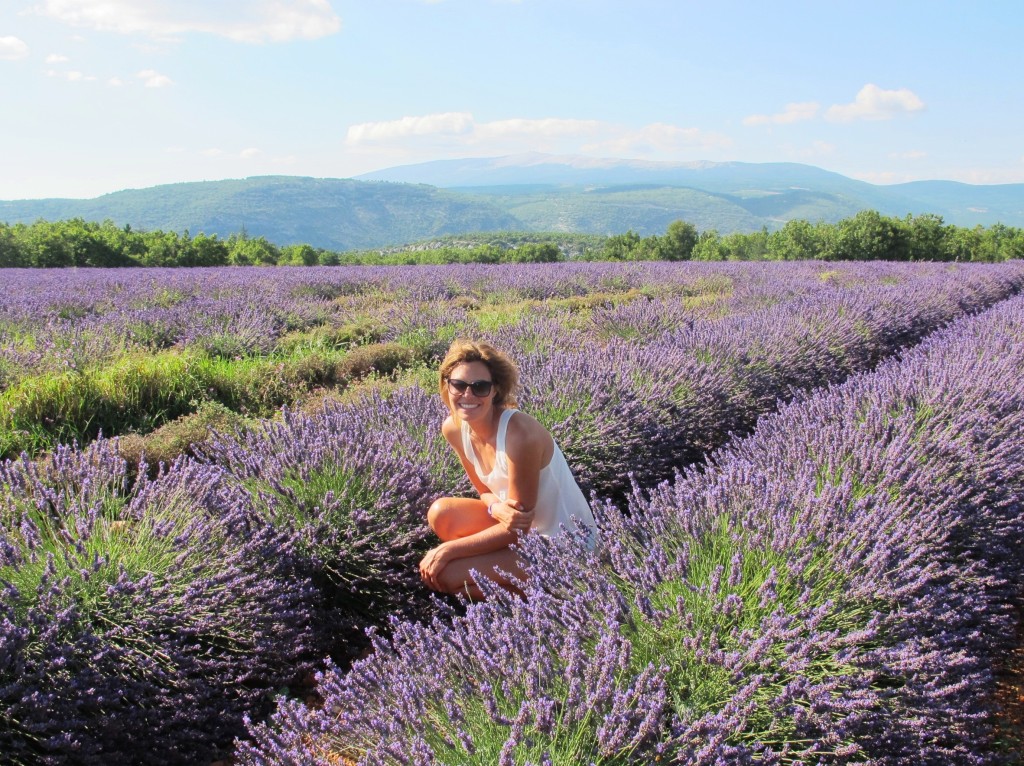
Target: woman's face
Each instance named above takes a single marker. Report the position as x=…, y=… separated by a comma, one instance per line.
x=469, y=405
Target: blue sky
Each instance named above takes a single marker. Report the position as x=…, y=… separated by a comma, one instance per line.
x=103, y=95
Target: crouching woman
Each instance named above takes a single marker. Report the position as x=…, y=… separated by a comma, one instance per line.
x=523, y=481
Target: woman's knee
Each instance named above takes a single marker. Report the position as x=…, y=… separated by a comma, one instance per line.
x=439, y=516
x=455, y=517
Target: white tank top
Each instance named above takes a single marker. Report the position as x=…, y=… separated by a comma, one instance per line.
x=560, y=501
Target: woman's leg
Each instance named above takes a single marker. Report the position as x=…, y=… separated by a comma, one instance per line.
x=456, y=577
x=455, y=517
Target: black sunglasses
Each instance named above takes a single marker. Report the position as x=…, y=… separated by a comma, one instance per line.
x=479, y=388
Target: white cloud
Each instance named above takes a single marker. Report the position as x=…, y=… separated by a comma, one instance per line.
x=913, y=154
x=115, y=82
x=153, y=79
x=874, y=103
x=439, y=125
x=816, y=150
x=56, y=58
x=457, y=131
x=70, y=76
x=545, y=127
x=251, y=21
x=795, y=112
x=249, y=153
x=12, y=48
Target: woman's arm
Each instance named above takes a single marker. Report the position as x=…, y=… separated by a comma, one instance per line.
x=453, y=435
x=528, y=447
x=488, y=540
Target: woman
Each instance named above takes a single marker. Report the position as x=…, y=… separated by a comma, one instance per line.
x=512, y=461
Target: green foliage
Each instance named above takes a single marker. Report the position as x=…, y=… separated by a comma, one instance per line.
x=723, y=595
x=180, y=436
x=247, y=251
x=679, y=241
x=868, y=235
x=709, y=247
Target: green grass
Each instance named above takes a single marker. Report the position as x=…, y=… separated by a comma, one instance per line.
x=139, y=393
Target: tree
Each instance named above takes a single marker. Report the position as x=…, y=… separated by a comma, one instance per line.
x=329, y=258
x=926, y=237
x=162, y=249
x=679, y=241
x=534, y=252
x=797, y=240
x=869, y=236
x=244, y=250
x=299, y=255
x=620, y=247
x=746, y=247
x=10, y=251
x=999, y=243
x=207, y=251
x=709, y=247
x=45, y=246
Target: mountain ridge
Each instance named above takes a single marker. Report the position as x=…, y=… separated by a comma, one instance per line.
x=534, y=192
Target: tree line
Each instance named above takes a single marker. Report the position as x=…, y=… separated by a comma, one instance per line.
x=868, y=235
x=77, y=242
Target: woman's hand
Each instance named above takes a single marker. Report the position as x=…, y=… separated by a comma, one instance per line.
x=511, y=515
x=432, y=564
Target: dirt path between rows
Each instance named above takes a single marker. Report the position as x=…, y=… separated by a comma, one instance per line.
x=1010, y=698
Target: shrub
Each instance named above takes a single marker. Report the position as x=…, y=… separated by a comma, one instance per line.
x=178, y=437
x=137, y=625
x=383, y=358
x=352, y=484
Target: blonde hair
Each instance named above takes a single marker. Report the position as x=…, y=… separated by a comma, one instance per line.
x=504, y=373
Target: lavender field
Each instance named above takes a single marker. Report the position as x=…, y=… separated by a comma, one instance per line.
x=832, y=582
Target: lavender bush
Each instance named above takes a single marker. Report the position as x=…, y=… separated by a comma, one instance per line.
x=351, y=485
x=135, y=627
x=835, y=588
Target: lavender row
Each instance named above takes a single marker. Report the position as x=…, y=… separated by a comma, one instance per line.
x=319, y=520
x=136, y=625
x=72, y=366
x=656, y=396
x=352, y=482
x=56, y=321
x=645, y=406
x=834, y=588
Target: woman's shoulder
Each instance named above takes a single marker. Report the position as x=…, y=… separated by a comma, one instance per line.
x=524, y=428
x=451, y=429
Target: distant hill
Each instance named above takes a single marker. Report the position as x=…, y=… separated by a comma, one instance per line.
x=728, y=196
x=337, y=214
x=523, y=193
